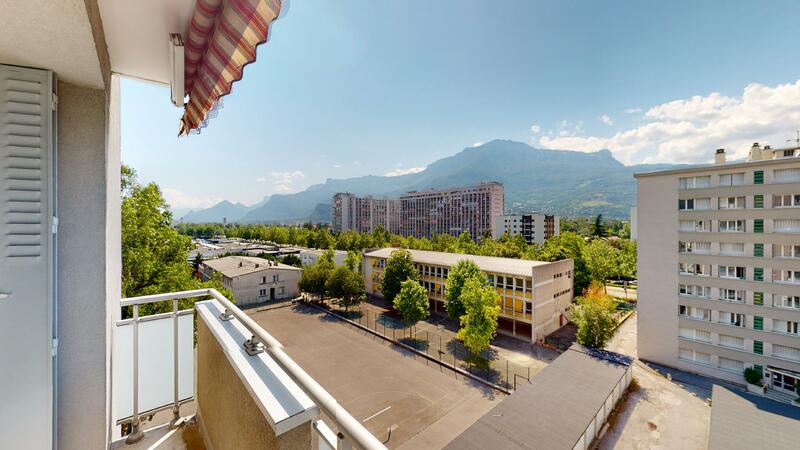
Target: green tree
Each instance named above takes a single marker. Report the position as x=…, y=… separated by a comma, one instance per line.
x=625, y=266
x=599, y=230
x=601, y=259
x=456, y=277
x=479, y=322
x=411, y=302
x=346, y=285
x=314, y=278
x=353, y=261
x=198, y=259
x=564, y=246
x=154, y=255
x=594, y=317
x=292, y=260
x=399, y=268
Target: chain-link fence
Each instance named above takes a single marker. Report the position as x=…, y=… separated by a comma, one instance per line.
x=439, y=343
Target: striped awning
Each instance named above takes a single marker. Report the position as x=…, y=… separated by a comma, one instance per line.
x=222, y=39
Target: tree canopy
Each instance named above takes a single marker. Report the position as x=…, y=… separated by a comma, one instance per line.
x=346, y=285
x=457, y=276
x=594, y=317
x=399, y=268
x=479, y=321
x=411, y=302
x=154, y=255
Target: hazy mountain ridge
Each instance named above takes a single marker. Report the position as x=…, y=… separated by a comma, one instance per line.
x=564, y=182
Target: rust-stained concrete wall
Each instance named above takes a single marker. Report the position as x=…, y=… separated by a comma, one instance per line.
x=229, y=418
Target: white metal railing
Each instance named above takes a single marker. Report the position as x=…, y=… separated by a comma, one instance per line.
x=351, y=431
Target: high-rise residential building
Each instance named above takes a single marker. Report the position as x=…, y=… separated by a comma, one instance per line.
x=452, y=211
x=533, y=227
x=364, y=214
x=719, y=267
x=534, y=295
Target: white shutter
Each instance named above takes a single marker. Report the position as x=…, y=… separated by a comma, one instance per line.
x=27, y=265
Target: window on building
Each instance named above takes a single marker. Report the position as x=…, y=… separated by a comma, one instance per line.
x=731, y=365
x=262, y=292
x=784, y=326
x=782, y=351
x=785, y=200
x=788, y=276
x=732, y=272
x=731, y=248
x=731, y=202
x=693, y=269
x=786, y=175
x=695, y=335
x=263, y=280
x=731, y=179
x=786, y=301
x=694, y=182
x=731, y=341
x=734, y=319
x=786, y=225
x=518, y=285
x=731, y=295
x=731, y=226
x=694, y=290
x=694, y=356
x=694, y=247
x=275, y=278
x=786, y=251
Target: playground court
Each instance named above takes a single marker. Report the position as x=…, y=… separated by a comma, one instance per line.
x=384, y=387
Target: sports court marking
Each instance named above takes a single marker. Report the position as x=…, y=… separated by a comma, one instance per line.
x=379, y=412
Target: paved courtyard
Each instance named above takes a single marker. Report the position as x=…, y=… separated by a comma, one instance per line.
x=383, y=386
x=658, y=413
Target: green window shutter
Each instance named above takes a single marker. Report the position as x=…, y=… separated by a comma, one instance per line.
x=758, y=298
x=758, y=323
x=758, y=225
x=758, y=347
x=758, y=201
x=758, y=177
x=758, y=274
x=758, y=249
x=759, y=369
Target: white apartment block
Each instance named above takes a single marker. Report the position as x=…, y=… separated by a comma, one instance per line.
x=364, y=214
x=473, y=209
x=534, y=227
x=719, y=267
x=534, y=295
x=254, y=280
x=311, y=256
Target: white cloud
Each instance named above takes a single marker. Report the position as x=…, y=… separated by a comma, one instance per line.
x=606, y=120
x=633, y=110
x=398, y=172
x=477, y=144
x=688, y=130
x=536, y=128
x=178, y=199
x=284, y=181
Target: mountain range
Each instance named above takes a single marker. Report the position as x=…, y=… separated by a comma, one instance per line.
x=568, y=183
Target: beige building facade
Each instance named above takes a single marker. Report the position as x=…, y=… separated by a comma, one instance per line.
x=534, y=227
x=254, y=280
x=719, y=267
x=534, y=295
x=364, y=214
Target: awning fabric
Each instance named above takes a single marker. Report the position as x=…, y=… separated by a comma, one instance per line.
x=222, y=39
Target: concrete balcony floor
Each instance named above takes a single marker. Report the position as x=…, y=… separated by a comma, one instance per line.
x=186, y=437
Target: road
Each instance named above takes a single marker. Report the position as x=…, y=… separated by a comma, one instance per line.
x=621, y=293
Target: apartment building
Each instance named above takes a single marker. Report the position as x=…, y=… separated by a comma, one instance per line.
x=534, y=227
x=364, y=214
x=719, y=267
x=473, y=209
x=254, y=280
x=534, y=295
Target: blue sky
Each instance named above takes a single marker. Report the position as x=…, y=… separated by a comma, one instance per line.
x=359, y=87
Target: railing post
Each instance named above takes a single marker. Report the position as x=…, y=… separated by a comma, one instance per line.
x=342, y=443
x=176, y=407
x=136, y=433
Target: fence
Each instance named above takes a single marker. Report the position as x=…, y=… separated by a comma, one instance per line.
x=439, y=343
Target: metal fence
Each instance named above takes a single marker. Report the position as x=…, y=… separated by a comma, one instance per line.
x=439, y=343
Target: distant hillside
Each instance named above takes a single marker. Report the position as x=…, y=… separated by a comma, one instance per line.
x=564, y=182
x=224, y=209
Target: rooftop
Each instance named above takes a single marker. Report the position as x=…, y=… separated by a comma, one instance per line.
x=234, y=266
x=744, y=421
x=764, y=158
x=511, y=266
x=553, y=411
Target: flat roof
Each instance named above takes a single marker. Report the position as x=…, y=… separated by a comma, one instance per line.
x=707, y=167
x=511, y=266
x=553, y=411
x=230, y=265
x=740, y=420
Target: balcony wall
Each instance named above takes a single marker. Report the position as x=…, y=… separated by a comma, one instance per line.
x=245, y=401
